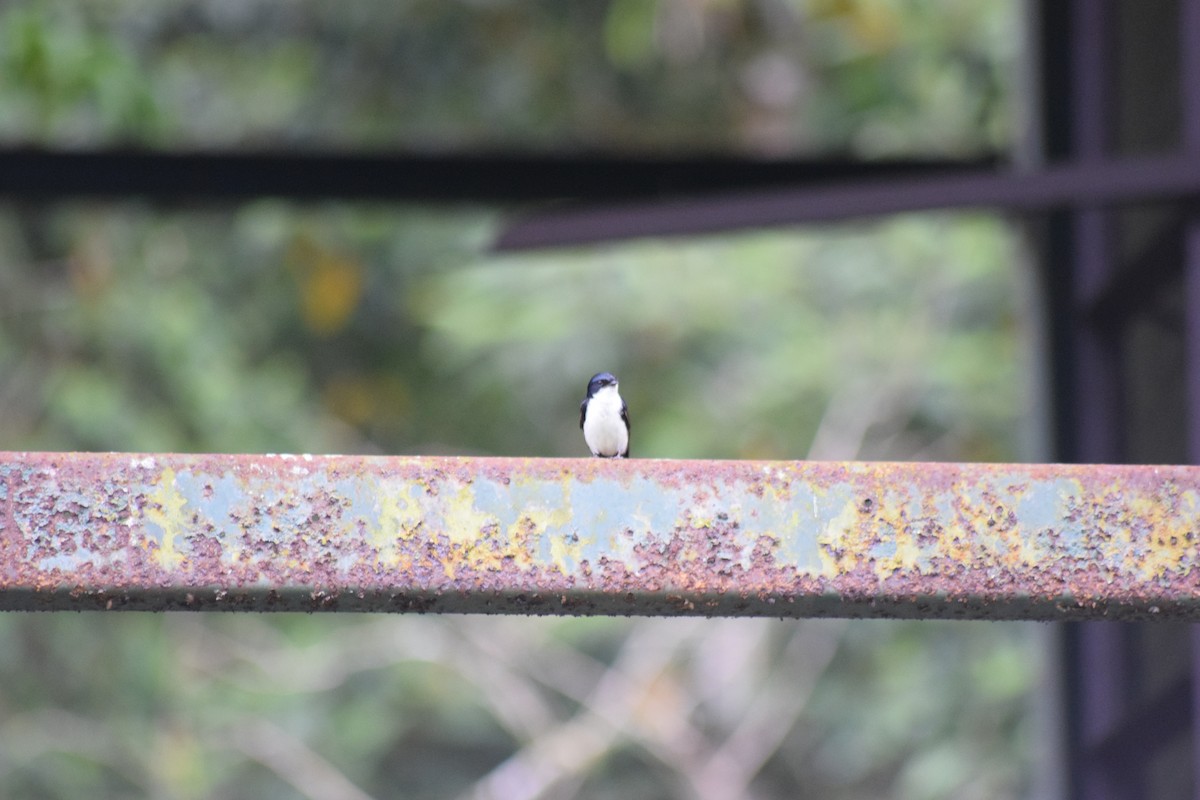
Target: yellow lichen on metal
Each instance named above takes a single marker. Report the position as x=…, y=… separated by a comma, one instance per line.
x=400, y=519
x=1013, y=547
x=165, y=510
x=839, y=542
x=1171, y=542
x=466, y=530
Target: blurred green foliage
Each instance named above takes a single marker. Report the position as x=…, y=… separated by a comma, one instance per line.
x=871, y=77
x=341, y=327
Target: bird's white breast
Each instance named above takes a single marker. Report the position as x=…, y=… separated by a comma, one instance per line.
x=603, y=428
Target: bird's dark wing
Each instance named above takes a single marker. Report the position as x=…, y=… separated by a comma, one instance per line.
x=625, y=418
x=582, y=412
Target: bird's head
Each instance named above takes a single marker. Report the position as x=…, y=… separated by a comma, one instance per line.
x=599, y=381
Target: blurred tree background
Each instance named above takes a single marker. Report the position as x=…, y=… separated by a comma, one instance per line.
x=273, y=326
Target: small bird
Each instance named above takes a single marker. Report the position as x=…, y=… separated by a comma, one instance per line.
x=604, y=418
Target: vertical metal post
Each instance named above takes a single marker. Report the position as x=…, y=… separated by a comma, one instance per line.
x=1189, y=73
x=1097, y=375
x=1096, y=357
x=1189, y=84
x=1196, y=712
x=1191, y=284
x=1104, y=676
x=1105, y=681
x=1096, y=378
x=1189, y=87
x=1090, y=77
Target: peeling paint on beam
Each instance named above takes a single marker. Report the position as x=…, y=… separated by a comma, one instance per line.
x=590, y=536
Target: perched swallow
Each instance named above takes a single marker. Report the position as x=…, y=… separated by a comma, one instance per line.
x=604, y=418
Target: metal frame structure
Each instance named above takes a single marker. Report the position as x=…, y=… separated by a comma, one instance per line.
x=1131, y=709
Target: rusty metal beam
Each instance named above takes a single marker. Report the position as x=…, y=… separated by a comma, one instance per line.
x=568, y=536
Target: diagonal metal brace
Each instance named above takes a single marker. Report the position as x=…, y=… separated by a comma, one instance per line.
x=590, y=536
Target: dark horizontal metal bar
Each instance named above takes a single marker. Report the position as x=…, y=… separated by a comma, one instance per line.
x=591, y=536
x=498, y=178
x=1114, y=182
